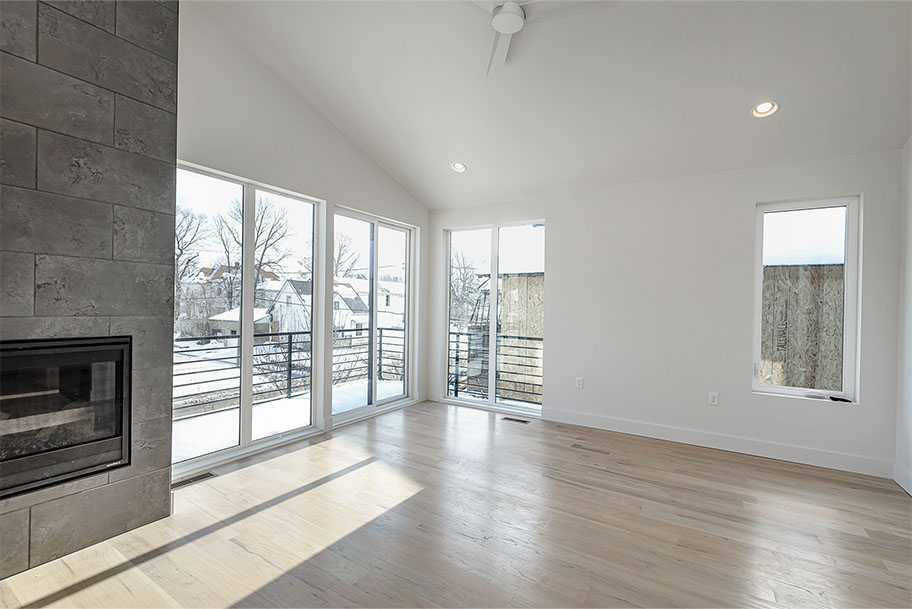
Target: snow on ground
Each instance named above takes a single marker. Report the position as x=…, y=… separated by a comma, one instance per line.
x=206, y=433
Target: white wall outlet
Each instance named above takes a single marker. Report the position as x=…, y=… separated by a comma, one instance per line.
x=579, y=382
x=713, y=398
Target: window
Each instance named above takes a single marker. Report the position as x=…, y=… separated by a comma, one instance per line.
x=387, y=300
x=511, y=369
x=336, y=305
x=807, y=298
x=370, y=347
x=242, y=365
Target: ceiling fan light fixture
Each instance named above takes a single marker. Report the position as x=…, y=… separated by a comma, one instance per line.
x=508, y=18
x=458, y=167
x=764, y=109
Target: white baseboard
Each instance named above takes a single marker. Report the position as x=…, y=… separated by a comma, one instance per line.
x=903, y=477
x=748, y=446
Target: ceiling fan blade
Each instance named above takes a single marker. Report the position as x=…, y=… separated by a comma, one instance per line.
x=498, y=53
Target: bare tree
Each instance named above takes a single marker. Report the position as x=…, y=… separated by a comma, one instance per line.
x=271, y=232
x=190, y=233
x=345, y=258
x=227, y=234
x=465, y=288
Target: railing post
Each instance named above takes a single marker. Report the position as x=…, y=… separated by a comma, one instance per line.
x=456, y=369
x=380, y=354
x=288, y=390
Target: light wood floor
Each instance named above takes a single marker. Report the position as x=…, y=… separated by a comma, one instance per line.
x=452, y=506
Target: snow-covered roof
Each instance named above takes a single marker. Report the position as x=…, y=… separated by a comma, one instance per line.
x=235, y=313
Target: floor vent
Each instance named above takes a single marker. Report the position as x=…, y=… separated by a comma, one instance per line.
x=515, y=420
x=191, y=480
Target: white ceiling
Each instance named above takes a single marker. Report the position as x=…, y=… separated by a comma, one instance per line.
x=592, y=93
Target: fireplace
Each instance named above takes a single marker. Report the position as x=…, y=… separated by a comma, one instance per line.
x=64, y=410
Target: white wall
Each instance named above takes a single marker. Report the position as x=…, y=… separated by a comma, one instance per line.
x=649, y=295
x=902, y=469
x=238, y=117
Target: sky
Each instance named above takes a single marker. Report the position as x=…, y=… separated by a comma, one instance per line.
x=521, y=248
x=212, y=196
x=807, y=236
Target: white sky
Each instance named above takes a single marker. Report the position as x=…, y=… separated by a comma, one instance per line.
x=521, y=248
x=212, y=196
x=808, y=236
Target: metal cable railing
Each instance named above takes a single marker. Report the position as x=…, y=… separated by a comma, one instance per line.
x=518, y=374
x=206, y=373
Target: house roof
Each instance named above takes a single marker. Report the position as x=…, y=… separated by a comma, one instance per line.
x=259, y=315
x=350, y=295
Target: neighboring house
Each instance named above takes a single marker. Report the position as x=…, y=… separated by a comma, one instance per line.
x=350, y=311
x=290, y=309
x=228, y=324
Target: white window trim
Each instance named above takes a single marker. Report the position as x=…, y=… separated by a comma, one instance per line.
x=247, y=445
x=410, y=387
x=491, y=403
x=851, y=329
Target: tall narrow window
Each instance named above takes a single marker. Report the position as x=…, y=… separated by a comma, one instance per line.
x=805, y=327
x=520, y=314
x=469, y=319
x=207, y=315
x=391, y=335
x=370, y=313
x=353, y=277
x=511, y=369
x=283, y=309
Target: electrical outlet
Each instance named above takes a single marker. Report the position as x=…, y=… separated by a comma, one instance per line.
x=713, y=398
x=579, y=382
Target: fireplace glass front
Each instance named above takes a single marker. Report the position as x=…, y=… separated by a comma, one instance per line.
x=64, y=410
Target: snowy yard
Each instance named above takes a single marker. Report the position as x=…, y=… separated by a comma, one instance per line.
x=212, y=375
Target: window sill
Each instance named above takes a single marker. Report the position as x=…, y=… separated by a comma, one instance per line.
x=823, y=398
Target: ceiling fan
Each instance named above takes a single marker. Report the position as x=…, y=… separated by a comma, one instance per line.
x=508, y=18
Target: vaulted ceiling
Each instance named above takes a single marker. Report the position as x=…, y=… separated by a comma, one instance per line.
x=593, y=93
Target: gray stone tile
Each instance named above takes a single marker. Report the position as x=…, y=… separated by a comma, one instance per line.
x=171, y=5
x=143, y=236
x=150, y=449
x=44, y=223
x=18, y=28
x=42, y=97
x=22, y=328
x=145, y=129
x=100, y=13
x=17, y=284
x=27, y=500
x=151, y=25
x=151, y=393
x=80, y=50
x=152, y=339
x=74, y=522
x=17, y=154
x=78, y=168
x=85, y=286
x=14, y=539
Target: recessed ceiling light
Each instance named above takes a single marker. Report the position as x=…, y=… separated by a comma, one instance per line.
x=458, y=167
x=767, y=108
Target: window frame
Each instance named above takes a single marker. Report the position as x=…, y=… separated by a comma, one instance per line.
x=851, y=295
x=410, y=388
x=246, y=443
x=491, y=402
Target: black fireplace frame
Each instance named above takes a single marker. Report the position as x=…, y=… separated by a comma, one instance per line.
x=11, y=348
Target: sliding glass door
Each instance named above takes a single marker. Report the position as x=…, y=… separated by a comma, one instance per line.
x=370, y=313
x=507, y=370
x=243, y=309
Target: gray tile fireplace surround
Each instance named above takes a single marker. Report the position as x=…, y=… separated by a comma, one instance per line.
x=87, y=171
